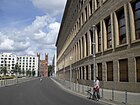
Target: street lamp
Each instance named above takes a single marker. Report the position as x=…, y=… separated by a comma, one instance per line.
x=94, y=51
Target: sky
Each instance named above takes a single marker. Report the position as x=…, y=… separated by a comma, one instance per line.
x=30, y=26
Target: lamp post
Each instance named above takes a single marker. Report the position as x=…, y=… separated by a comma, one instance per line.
x=94, y=51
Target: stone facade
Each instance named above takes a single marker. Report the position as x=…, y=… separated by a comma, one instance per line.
x=117, y=43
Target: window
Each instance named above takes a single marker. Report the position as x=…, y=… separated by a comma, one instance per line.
x=83, y=72
x=100, y=71
x=86, y=39
x=123, y=66
x=98, y=3
x=86, y=72
x=122, y=27
x=80, y=48
x=80, y=72
x=91, y=36
x=83, y=49
x=90, y=4
x=91, y=72
x=138, y=68
x=136, y=10
x=86, y=13
x=108, y=32
x=99, y=37
x=110, y=71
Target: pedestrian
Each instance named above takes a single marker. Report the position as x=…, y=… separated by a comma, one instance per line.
x=96, y=88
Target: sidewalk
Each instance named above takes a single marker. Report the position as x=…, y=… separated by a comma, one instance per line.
x=102, y=101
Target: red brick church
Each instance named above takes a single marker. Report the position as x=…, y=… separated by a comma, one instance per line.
x=43, y=65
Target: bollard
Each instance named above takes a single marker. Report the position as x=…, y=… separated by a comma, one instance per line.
x=102, y=93
x=112, y=94
x=126, y=97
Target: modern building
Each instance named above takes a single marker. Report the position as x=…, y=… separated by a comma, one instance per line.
x=28, y=64
x=43, y=65
x=114, y=26
x=9, y=61
x=25, y=63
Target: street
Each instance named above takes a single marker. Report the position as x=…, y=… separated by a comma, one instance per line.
x=36, y=92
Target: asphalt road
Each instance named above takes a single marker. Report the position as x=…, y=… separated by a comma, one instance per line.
x=35, y=92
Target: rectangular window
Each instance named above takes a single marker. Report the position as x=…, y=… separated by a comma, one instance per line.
x=98, y=3
x=80, y=73
x=99, y=37
x=90, y=4
x=83, y=72
x=138, y=68
x=86, y=13
x=110, y=71
x=91, y=71
x=122, y=27
x=86, y=72
x=136, y=11
x=100, y=71
x=123, y=66
x=91, y=36
x=80, y=48
x=108, y=32
x=83, y=48
x=86, y=39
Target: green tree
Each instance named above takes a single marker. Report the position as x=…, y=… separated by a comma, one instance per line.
x=23, y=72
x=33, y=73
x=4, y=70
x=28, y=73
x=16, y=69
x=50, y=70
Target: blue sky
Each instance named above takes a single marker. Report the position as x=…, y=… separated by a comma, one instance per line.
x=30, y=26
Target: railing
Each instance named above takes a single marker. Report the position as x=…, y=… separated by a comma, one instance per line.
x=123, y=97
x=6, y=82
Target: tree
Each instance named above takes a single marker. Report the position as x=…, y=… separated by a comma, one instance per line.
x=50, y=70
x=33, y=73
x=23, y=72
x=28, y=73
x=4, y=70
x=17, y=69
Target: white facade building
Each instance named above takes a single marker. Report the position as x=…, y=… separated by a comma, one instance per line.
x=28, y=63
x=8, y=60
x=24, y=62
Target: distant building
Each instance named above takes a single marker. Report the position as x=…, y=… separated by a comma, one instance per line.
x=54, y=64
x=43, y=65
x=8, y=60
x=28, y=63
x=25, y=63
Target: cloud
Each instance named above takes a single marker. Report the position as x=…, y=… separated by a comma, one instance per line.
x=52, y=7
x=33, y=33
x=39, y=36
x=7, y=44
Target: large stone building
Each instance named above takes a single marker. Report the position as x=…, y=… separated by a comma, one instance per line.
x=114, y=25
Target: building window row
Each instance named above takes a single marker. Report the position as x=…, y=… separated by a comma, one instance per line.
x=86, y=72
x=104, y=38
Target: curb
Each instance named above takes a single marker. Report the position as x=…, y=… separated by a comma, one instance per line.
x=84, y=96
